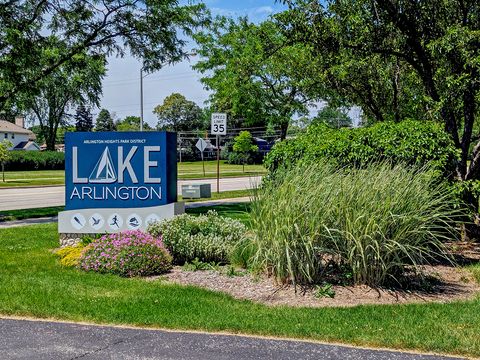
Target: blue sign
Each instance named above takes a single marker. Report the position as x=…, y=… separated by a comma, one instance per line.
x=120, y=169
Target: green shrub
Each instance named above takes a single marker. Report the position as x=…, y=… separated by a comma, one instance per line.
x=376, y=223
x=128, y=253
x=243, y=252
x=207, y=238
x=408, y=142
x=70, y=255
x=35, y=160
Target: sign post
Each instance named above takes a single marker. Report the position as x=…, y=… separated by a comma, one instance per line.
x=118, y=181
x=219, y=127
x=202, y=145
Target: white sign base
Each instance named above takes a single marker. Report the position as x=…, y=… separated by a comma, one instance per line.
x=98, y=221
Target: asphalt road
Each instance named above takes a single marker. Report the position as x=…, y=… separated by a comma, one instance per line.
x=21, y=339
x=36, y=197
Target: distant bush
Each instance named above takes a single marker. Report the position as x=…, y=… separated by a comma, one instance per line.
x=207, y=238
x=376, y=223
x=35, y=160
x=408, y=142
x=128, y=253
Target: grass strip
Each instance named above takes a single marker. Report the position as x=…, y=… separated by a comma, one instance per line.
x=32, y=283
x=11, y=215
x=222, y=195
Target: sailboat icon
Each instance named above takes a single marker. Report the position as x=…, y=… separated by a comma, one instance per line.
x=104, y=171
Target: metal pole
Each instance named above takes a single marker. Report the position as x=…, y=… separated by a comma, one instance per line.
x=180, y=142
x=141, y=99
x=218, y=164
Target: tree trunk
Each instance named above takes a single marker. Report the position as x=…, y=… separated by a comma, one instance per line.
x=471, y=228
x=396, y=90
x=283, y=130
x=3, y=171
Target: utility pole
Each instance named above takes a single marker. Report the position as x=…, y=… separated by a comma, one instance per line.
x=141, y=98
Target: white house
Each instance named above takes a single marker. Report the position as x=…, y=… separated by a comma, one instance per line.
x=21, y=138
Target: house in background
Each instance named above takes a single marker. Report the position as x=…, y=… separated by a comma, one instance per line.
x=21, y=138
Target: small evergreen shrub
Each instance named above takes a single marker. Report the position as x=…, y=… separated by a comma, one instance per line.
x=378, y=223
x=207, y=238
x=128, y=253
x=35, y=160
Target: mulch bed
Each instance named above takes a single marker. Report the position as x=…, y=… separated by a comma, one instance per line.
x=446, y=283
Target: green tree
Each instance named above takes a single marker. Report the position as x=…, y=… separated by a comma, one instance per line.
x=61, y=133
x=178, y=114
x=5, y=146
x=83, y=118
x=151, y=30
x=254, y=74
x=437, y=42
x=132, y=123
x=67, y=87
x=334, y=118
x=104, y=121
x=243, y=145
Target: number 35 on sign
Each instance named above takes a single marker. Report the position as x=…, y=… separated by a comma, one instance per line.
x=219, y=124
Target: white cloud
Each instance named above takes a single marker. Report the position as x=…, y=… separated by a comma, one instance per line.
x=263, y=10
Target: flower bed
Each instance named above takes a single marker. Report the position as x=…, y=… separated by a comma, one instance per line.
x=128, y=253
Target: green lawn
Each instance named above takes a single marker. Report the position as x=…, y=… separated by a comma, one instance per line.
x=33, y=178
x=33, y=284
x=194, y=170
x=186, y=170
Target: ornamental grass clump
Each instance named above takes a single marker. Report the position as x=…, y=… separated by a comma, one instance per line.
x=207, y=238
x=376, y=224
x=128, y=253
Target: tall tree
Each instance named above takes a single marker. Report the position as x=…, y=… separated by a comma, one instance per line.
x=178, y=114
x=334, y=118
x=83, y=119
x=254, y=73
x=132, y=123
x=151, y=30
x=64, y=89
x=104, y=121
x=437, y=40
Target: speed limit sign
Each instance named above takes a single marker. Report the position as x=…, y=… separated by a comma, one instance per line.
x=219, y=124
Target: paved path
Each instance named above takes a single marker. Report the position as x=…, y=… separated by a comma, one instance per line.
x=21, y=339
x=50, y=219
x=36, y=197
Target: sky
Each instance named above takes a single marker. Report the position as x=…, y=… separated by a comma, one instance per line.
x=121, y=86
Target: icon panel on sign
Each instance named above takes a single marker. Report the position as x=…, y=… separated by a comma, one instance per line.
x=115, y=221
x=78, y=221
x=134, y=222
